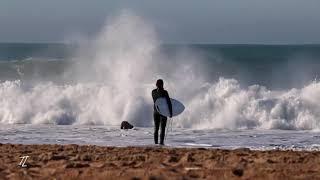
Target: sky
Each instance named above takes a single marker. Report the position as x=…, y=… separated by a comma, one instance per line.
x=175, y=21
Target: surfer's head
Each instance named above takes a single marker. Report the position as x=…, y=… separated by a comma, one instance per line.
x=159, y=84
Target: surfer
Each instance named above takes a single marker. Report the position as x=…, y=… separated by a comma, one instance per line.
x=160, y=120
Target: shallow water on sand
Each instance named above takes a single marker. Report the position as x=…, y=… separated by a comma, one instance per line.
x=177, y=137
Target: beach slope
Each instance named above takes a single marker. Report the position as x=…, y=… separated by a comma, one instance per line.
x=95, y=162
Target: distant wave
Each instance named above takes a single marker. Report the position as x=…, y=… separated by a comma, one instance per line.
x=30, y=59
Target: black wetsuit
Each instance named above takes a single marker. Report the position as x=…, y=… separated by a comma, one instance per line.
x=158, y=118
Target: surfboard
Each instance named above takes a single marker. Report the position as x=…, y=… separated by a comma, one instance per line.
x=163, y=109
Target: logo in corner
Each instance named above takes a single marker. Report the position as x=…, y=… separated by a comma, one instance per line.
x=23, y=161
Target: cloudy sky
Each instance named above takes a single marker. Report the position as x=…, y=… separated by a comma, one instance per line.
x=176, y=21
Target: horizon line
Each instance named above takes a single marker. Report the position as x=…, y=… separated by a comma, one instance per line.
x=178, y=43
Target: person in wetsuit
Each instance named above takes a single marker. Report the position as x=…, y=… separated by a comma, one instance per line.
x=158, y=118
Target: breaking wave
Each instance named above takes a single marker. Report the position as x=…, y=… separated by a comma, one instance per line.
x=115, y=73
x=220, y=105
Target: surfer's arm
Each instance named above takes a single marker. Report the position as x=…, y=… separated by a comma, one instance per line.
x=153, y=96
x=169, y=103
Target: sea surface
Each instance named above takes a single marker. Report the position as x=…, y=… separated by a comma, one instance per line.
x=176, y=137
x=251, y=96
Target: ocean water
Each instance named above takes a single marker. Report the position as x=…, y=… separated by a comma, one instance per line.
x=176, y=137
x=256, y=96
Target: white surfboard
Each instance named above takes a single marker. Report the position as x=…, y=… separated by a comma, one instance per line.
x=163, y=109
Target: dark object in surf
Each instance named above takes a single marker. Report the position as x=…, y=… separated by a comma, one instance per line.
x=126, y=125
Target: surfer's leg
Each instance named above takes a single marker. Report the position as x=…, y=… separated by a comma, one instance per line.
x=163, y=129
x=156, y=118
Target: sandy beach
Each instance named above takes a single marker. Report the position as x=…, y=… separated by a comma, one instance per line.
x=95, y=162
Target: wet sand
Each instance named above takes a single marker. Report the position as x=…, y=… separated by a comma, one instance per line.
x=95, y=162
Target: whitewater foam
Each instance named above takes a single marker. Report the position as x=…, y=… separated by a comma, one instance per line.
x=223, y=105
